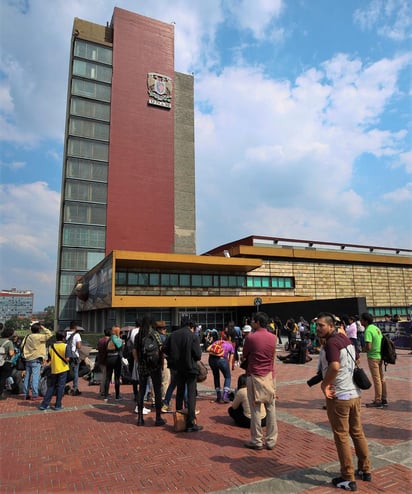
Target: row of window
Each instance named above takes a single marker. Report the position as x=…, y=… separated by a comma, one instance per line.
x=84, y=236
x=92, y=51
x=90, y=109
x=89, y=129
x=124, y=278
x=80, y=259
x=92, y=71
x=75, y=190
x=91, y=89
x=87, y=214
x=86, y=170
x=381, y=311
x=87, y=149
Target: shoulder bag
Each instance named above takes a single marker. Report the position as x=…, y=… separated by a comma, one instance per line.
x=360, y=378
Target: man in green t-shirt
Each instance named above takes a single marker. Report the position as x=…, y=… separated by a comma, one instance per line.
x=373, y=339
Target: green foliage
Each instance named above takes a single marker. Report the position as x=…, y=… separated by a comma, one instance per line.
x=18, y=324
x=49, y=317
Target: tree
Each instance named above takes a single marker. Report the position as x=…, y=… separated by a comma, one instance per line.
x=48, y=321
x=18, y=323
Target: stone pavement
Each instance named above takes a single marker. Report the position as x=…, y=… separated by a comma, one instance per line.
x=95, y=447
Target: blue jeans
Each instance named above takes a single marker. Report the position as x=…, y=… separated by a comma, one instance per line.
x=187, y=383
x=172, y=387
x=32, y=370
x=55, y=382
x=220, y=364
x=75, y=369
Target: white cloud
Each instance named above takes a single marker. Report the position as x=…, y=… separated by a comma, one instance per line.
x=13, y=165
x=28, y=239
x=402, y=194
x=391, y=18
x=290, y=148
x=256, y=16
x=405, y=159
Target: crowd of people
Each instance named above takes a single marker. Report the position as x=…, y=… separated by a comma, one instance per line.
x=158, y=364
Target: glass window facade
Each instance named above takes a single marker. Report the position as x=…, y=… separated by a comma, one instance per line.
x=90, y=109
x=87, y=170
x=76, y=190
x=92, y=90
x=83, y=227
x=82, y=236
x=87, y=128
x=92, y=70
x=132, y=278
x=93, y=51
x=85, y=213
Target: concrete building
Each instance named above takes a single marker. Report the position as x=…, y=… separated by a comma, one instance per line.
x=127, y=227
x=283, y=277
x=15, y=303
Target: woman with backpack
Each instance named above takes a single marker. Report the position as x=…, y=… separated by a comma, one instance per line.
x=114, y=352
x=148, y=349
x=221, y=357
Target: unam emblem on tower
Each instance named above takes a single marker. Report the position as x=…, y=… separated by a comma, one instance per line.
x=159, y=88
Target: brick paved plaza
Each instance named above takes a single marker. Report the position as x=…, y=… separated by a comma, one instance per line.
x=95, y=447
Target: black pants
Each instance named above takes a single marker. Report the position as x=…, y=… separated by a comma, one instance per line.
x=156, y=377
x=184, y=379
x=113, y=364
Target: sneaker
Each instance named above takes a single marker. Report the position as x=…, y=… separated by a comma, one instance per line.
x=136, y=410
x=365, y=476
x=374, y=404
x=43, y=407
x=385, y=403
x=119, y=398
x=347, y=485
x=76, y=392
x=167, y=409
x=57, y=409
x=146, y=410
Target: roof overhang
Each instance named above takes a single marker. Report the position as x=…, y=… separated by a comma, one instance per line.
x=159, y=260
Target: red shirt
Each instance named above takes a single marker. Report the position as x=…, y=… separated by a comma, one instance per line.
x=259, y=349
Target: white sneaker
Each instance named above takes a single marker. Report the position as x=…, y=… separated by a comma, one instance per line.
x=146, y=410
x=136, y=410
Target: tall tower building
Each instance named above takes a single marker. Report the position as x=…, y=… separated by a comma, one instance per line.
x=128, y=177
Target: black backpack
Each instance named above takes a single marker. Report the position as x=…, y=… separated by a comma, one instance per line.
x=388, y=352
x=151, y=351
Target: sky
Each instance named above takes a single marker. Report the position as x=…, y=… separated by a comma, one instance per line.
x=302, y=121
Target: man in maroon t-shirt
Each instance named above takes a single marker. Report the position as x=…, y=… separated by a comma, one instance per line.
x=259, y=350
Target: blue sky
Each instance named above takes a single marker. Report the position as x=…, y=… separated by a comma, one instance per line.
x=302, y=122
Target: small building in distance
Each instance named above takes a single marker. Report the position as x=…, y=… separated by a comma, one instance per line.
x=15, y=303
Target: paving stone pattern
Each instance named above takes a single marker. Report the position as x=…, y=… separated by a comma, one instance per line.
x=95, y=447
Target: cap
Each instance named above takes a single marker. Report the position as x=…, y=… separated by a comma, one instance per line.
x=160, y=324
